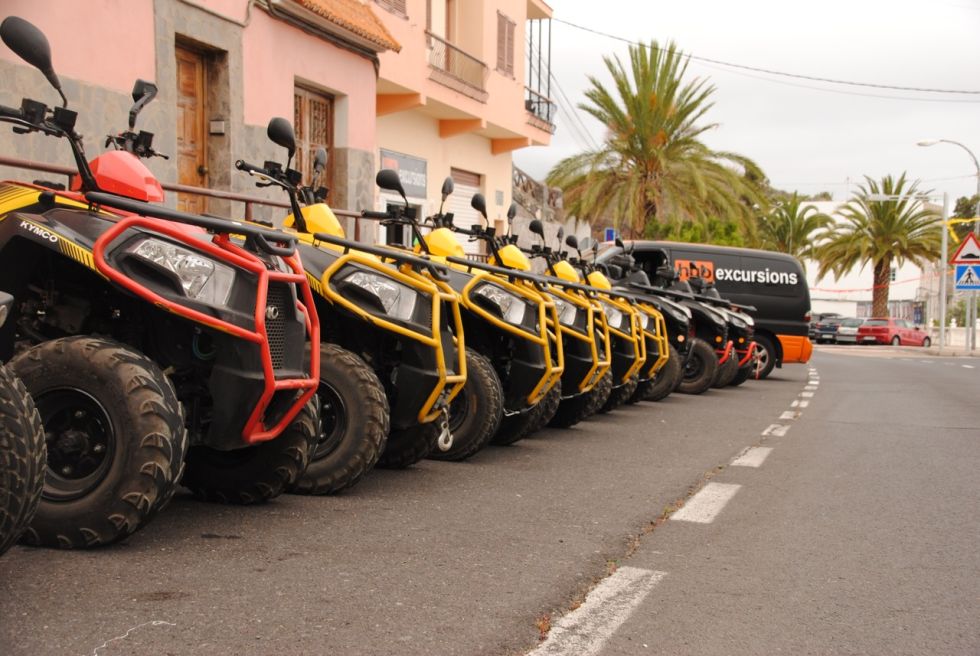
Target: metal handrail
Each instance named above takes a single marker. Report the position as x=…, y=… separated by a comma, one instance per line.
x=541, y=107
x=456, y=62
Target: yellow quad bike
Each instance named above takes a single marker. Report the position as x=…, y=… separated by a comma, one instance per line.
x=391, y=346
x=655, y=337
x=584, y=333
x=507, y=319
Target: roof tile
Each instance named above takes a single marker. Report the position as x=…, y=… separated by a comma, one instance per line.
x=356, y=17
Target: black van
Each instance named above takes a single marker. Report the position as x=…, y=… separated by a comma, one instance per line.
x=774, y=283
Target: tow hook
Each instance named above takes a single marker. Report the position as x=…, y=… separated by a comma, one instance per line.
x=445, y=435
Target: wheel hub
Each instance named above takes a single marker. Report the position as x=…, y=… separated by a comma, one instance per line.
x=333, y=421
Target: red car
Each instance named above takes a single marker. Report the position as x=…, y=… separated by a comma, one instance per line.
x=897, y=332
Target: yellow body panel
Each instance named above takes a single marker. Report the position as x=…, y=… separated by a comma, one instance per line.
x=512, y=258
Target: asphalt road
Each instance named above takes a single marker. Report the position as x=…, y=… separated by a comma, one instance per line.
x=856, y=535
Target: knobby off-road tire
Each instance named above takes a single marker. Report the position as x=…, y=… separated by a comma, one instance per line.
x=353, y=426
x=476, y=412
x=254, y=474
x=766, y=360
x=666, y=379
x=411, y=445
x=742, y=375
x=115, y=436
x=726, y=372
x=578, y=408
x=22, y=458
x=599, y=395
x=517, y=427
x=700, y=369
x=619, y=395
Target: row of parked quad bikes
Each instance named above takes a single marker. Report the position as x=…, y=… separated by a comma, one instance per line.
x=149, y=348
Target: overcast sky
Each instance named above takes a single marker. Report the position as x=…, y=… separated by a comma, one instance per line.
x=807, y=136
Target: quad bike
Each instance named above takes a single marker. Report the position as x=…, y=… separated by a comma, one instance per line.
x=655, y=347
x=741, y=329
x=678, y=324
x=584, y=334
x=392, y=354
x=22, y=451
x=509, y=322
x=709, y=347
x=159, y=346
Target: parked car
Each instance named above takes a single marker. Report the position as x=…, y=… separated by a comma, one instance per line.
x=847, y=330
x=816, y=318
x=897, y=332
x=825, y=330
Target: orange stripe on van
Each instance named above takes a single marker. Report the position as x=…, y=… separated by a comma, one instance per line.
x=796, y=348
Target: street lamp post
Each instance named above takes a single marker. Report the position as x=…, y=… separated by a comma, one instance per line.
x=972, y=304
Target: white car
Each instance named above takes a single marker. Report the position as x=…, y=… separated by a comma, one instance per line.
x=847, y=331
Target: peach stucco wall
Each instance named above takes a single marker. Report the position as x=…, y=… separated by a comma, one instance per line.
x=112, y=51
x=277, y=55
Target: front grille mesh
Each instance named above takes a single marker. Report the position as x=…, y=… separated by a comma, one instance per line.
x=275, y=328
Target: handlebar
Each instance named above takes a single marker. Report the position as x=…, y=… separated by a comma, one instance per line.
x=377, y=216
x=242, y=165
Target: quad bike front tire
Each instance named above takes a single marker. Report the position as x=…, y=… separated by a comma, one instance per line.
x=666, y=379
x=22, y=458
x=476, y=412
x=410, y=445
x=517, y=427
x=254, y=474
x=700, y=368
x=742, y=375
x=599, y=394
x=353, y=426
x=115, y=437
x=619, y=395
x=726, y=372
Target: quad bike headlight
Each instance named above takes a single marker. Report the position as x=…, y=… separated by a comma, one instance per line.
x=614, y=318
x=397, y=299
x=511, y=306
x=567, y=312
x=201, y=278
x=644, y=319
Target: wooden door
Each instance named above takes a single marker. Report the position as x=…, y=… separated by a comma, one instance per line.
x=192, y=141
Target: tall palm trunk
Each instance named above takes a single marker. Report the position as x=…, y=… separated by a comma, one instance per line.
x=879, y=295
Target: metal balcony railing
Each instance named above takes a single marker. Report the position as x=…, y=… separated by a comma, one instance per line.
x=448, y=60
x=541, y=108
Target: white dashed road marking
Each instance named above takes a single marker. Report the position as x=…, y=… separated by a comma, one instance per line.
x=811, y=388
x=968, y=366
x=778, y=430
x=704, y=506
x=585, y=630
x=806, y=395
x=799, y=404
x=789, y=414
x=752, y=457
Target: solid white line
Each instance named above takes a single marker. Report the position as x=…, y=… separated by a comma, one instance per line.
x=752, y=457
x=968, y=366
x=585, y=630
x=789, y=414
x=806, y=395
x=775, y=429
x=704, y=506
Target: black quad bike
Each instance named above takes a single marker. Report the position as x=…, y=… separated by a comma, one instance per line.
x=159, y=346
x=742, y=362
x=22, y=451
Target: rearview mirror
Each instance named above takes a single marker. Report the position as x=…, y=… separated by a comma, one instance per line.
x=536, y=227
x=619, y=242
x=30, y=44
x=447, y=187
x=143, y=93
x=320, y=159
x=572, y=241
x=479, y=203
x=388, y=179
x=561, y=233
x=511, y=212
x=280, y=131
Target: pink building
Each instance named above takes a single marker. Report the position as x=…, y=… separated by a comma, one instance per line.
x=467, y=87
x=224, y=68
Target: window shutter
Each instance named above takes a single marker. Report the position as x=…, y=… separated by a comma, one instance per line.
x=501, y=42
x=510, y=47
x=394, y=6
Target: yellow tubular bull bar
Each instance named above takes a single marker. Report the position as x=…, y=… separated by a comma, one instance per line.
x=437, y=293
x=543, y=337
x=635, y=335
x=658, y=334
x=600, y=361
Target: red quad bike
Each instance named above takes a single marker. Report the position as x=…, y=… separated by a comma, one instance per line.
x=159, y=346
x=22, y=451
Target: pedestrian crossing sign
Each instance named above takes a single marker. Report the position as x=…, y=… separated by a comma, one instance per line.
x=967, y=276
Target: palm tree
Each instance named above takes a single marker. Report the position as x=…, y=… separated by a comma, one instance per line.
x=881, y=232
x=653, y=165
x=790, y=227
